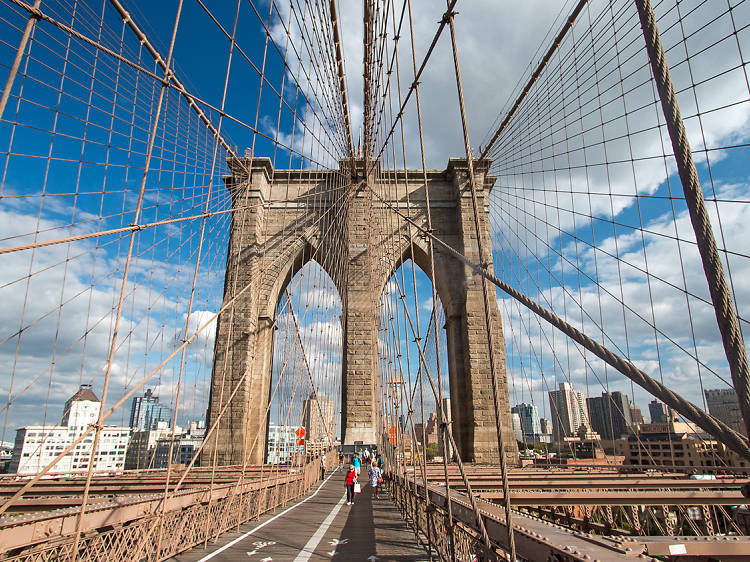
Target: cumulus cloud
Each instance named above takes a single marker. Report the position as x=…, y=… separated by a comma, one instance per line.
x=308, y=352
x=557, y=212
x=662, y=321
x=58, y=318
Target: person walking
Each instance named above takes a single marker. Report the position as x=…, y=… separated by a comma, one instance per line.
x=381, y=466
x=323, y=466
x=356, y=463
x=351, y=479
x=376, y=477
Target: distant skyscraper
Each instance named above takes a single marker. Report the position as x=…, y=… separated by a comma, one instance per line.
x=568, y=410
x=142, y=446
x=517, y=431
x=37, y=446
x=724, y=405
x=429, y=431
x=636, y=416
x=146, y=412
x=529, y=420
x=610, y=414
x=658, y=411
x=281, y=445
x=318, y=428
x=545, y=426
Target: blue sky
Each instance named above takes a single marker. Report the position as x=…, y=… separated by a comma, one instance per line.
x=542, y=238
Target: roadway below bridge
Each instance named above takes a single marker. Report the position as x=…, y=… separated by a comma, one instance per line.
x=320, y=526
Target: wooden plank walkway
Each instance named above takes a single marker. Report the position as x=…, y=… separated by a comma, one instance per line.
x=320, y=527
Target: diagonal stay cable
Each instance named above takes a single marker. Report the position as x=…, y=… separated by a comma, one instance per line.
x=555, y=44
x=307, y=365
x=415, y=82
x=705, y=421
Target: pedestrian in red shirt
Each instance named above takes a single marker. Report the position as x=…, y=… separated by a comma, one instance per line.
x=351, y=479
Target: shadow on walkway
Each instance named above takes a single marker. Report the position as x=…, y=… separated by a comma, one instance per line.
x=375, y=531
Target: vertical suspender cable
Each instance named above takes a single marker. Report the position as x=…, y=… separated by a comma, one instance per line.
x=726, y=316
x=433, y=286
x=33, y=15
x=123, y=288
x=484, y=260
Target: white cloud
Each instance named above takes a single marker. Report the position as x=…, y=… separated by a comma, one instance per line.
x=629, y=303
x=495, y=46
x=66, y=310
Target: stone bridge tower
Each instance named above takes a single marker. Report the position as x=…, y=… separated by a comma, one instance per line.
x=283, y=218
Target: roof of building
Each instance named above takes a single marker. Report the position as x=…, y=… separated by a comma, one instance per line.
x=84, y=393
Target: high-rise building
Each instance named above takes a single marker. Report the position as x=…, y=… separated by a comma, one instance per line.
x=517, y=430
x=318, y=418
x=430, y=430
x=659, y=412
x=724, y=405
x=545, y=426
x=184, y=447
x=38, y=445
x=610, y=414
x=678, y=444
x=568, y=409
x=142, y=446
x=81, y=409
x=146, y=412
x=529, y=421
x=636, y=416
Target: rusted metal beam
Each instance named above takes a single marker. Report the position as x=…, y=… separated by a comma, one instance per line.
x=633, y=497
x=480, y=483
x=710, y=548
x=52, y=532
x=540, y=540
x=535, y=539
x=24, y=530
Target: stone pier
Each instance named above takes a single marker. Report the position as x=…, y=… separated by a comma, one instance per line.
x=285, y=218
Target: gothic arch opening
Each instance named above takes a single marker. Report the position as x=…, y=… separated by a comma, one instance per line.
x=306, y=368
x=407, y=331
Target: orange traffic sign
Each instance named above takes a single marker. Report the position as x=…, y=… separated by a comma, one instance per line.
x=300, y=432
x=300, y=441
x=392, y=431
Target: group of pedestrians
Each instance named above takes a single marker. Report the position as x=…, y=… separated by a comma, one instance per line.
x=374, y=465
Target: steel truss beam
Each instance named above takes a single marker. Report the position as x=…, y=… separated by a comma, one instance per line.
x=537, y=539
x=108, y=521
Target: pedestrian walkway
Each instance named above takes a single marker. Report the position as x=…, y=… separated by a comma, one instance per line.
x=321, y=527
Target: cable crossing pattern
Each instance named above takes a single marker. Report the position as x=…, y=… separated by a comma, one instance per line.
x=237, y=237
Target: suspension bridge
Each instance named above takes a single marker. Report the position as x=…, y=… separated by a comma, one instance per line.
x=240, y=239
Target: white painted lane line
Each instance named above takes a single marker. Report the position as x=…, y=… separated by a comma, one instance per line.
x=251, y=531
x=314, y=541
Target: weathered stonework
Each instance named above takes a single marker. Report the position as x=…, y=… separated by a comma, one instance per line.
x=284, y=218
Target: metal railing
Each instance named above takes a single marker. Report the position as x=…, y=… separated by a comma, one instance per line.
x=140, y=527
x=536, y=538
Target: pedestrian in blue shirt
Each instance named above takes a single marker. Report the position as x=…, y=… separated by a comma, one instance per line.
x=357, y=464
